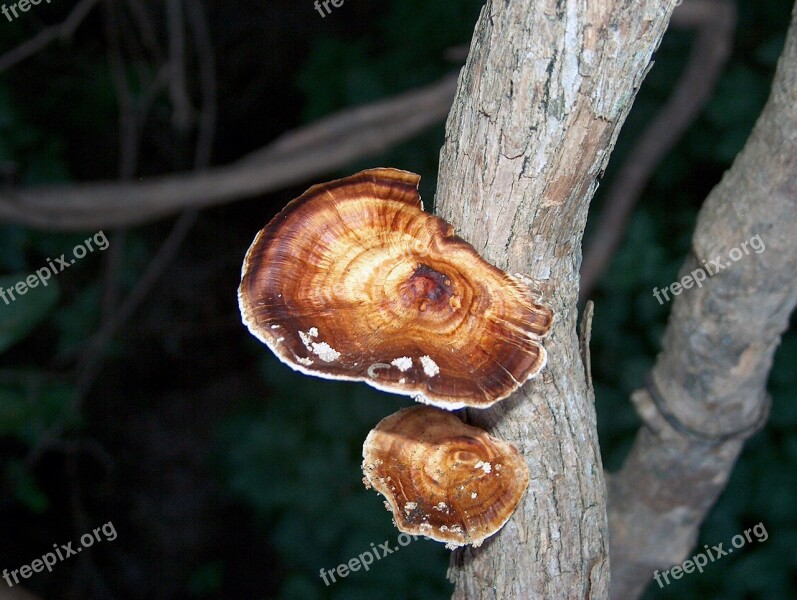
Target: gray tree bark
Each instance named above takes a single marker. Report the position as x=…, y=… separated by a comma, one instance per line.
x=539, y=104
x=707, y=390
x=537, y=111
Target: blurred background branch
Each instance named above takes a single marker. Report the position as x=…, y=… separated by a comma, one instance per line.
x=62, y=31
x=714, y=22
x=296, y=156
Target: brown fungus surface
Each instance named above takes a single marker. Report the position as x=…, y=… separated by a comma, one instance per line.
x=443, y=479
x=353, y=280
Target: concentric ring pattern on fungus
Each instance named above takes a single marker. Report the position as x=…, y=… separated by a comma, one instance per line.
x=353, y=280
x=443, y=479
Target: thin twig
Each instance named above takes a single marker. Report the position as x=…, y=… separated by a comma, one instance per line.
x=197, y=21
x=181, y=105
x=111, y=267
x=167, y=251
x=129, y=136
x=146, y=30
x=41, y=40
x=129, y=142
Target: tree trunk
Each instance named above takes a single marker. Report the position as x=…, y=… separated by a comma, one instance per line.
x=707, y=391
x=539, y=105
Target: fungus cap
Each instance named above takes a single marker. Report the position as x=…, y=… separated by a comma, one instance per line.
x=353, y=280
x=443, y=479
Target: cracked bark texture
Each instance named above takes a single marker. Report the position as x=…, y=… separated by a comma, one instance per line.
x=707, y=390
x=539, y=104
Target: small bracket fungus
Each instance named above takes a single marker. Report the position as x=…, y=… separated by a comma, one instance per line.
x=443, y=479
x=353, y=280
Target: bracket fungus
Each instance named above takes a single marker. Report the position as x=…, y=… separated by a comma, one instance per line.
x=443, y=479
x=353, y=280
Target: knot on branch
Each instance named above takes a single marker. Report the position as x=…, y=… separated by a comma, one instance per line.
x=652, y=397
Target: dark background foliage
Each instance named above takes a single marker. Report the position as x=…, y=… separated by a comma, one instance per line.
x=227, y=475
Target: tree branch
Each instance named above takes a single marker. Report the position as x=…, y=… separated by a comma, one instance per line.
x=325, y=145
x=715, y=20
x=707, y=391
x=539, y=105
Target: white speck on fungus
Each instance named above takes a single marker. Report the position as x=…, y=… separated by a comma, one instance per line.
x=429, y=366
x=484, y=466
x=305, y=340
x=325, y=352
x=402, y=363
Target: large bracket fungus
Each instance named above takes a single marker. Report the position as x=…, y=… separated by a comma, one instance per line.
x=353, y=280
x=443, y=479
